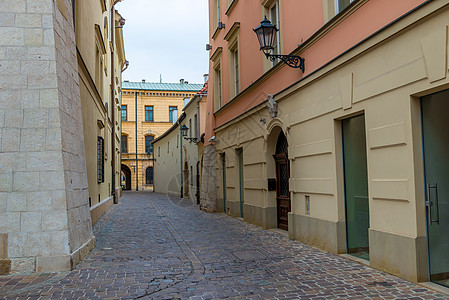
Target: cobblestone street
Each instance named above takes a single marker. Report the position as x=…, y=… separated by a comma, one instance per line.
x=151, y=246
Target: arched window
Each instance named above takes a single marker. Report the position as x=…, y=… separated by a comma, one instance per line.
x=149, y=175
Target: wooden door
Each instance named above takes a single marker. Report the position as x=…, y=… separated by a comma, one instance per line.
x=282, y=178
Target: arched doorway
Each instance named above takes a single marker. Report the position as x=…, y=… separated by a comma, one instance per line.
x=126, y=177
x=149, y=175
x=282, y=177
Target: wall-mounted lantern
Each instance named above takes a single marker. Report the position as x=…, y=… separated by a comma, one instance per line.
x=266, y=33
x=184, y=130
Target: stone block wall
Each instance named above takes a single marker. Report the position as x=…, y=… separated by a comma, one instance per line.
x=44, y=213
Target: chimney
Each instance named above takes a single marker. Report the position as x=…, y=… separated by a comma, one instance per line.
x=206, y=77
x=143, y=80
x=181, y=81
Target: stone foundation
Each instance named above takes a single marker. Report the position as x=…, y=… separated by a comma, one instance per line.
x=403, y=256
x=98, y=210
x=208, y=195
x=265, y=217
x=326, y=235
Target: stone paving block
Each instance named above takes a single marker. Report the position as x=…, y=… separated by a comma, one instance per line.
x=159, y=247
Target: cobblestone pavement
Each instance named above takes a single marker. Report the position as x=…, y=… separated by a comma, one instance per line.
x=151, y=246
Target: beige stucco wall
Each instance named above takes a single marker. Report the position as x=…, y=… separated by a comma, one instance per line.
x=167, y=167
x=382, y=78
x=97, y=101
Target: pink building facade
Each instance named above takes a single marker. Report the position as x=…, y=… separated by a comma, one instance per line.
x=349, y=154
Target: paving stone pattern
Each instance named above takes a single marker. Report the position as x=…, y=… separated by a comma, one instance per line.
x=152, y=246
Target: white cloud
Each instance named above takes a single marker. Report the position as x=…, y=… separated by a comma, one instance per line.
x=165, y=37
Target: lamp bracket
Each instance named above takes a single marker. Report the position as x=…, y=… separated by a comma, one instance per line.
x=191, y=139
x=293, y=61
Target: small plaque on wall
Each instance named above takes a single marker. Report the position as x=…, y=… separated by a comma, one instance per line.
x=271, y=184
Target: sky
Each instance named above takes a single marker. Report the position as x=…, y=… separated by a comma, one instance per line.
x=165, y=38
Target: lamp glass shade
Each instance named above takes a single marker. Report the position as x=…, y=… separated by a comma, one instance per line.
x=184, y=130
x=266, y=33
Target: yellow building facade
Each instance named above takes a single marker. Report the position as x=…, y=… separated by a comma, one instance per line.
x=101, y=60
x=158, y=106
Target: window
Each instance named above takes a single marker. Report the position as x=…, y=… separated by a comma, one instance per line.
x=124, y=113
x=274, y=18
x=216, y=14
x=195, y=126
x=190, y=128
x=148, y=144
x=168, y=147
x=217, y=88
x=100, y=159
x=217, y=91
x=233, y=45
x=159, y=151
x=149, y=114
x=236, y=72
x=124, y=144
x=149, y=175
x=341, y=5
x=171, y=113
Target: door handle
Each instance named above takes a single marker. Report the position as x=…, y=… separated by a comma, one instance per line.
x=430, y=203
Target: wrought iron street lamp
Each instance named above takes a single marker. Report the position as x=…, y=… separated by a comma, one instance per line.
x=184, y=130
x=266, y=33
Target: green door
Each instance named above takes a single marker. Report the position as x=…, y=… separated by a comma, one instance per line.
x=435, y=127
x=241, y=178
x=223, y=165
x=356, y=186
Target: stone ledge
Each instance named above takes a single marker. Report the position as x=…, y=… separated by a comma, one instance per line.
x=326, y=235
x=53, y=264
x=98, y=210
x=78, y=255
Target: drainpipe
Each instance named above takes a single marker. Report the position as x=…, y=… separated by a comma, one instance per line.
x=198, y=135
x=113, y=153
x=113, y=105
x=137, y=161
x=180, y=144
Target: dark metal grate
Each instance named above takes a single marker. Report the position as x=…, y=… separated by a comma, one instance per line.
x=282, y=144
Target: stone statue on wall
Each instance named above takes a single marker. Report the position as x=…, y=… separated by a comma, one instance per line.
x=272, y=106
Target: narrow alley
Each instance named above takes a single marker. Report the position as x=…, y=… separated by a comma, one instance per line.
x=152, y=246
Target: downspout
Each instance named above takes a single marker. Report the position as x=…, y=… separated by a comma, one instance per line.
x=137, y=161
x=198, y=135
x=113, y=153
x=180, y=152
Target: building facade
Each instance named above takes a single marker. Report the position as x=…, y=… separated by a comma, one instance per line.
x=157, y=105
x=178, y=155
x=45, y=214
x=101, y=60
x=348, y=155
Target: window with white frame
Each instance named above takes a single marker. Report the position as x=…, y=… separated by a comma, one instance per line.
x=236, y=71
x=275, y=20
x=341, y=5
